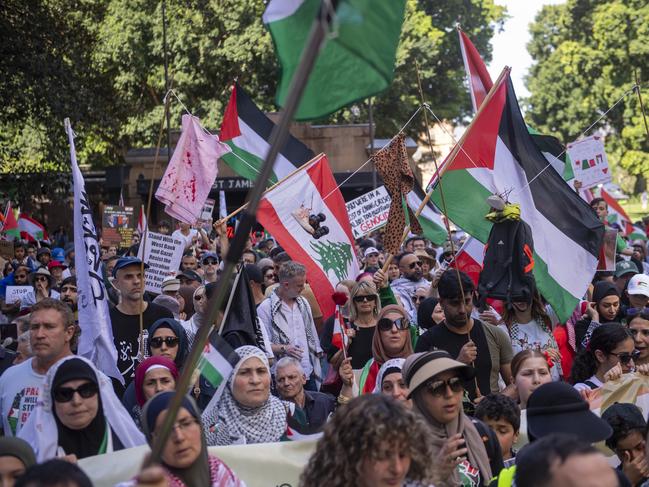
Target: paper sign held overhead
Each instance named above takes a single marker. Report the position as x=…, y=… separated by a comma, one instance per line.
x=162, y=253
x=589, y=161
x=118, y=224
x=369, y=212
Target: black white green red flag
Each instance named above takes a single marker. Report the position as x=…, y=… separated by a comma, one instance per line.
x=498, y=156
x=616, y=214
x=306, y=214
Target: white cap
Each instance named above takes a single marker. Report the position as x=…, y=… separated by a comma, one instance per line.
x=370, y=250
x=639, y=284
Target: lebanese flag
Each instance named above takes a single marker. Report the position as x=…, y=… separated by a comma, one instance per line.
x=477, y=74
x=339, y=337
x=616, y=214
x=327, y=252
x=469, y=259
x=498, y=156
x=30, y=229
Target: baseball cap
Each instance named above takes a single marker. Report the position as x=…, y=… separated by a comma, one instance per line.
x=625, y=267
x=191, y=275
x=557, y=407
x=170, y=284
x=125, y=262
x=419, y=367
x=370, y=250
x=208, y=255
x=639, y=284
x=55, y=263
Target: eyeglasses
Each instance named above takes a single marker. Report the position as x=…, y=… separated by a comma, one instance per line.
x=626, y=357
x=210, y=262
x=158, y=341
x=65, y=394
x=438, y=387
x=385, y=324
x=414, y=264
x=416, y=298
x=364, y=297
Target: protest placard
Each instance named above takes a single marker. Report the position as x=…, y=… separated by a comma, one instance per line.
x=6, y=249
x=208, y=208
x=15, y=293
x=368, y=212
x=118, y=224
x=162, y=253
x=589, y=161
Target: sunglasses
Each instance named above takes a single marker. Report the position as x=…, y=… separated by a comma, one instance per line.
x=438, y=387
x=626, y=357
x=385, y=324
x=365, y=297
x=41, y=278
x=270, y=276
x=199, y=297
x=415, y=264
x=158, y=341
x=418, y=298
x=210, y=262
x=65, y=394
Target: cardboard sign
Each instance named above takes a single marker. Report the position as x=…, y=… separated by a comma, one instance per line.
x=369, y=212
x=589, y=161
x=6, y=249
x=162, y=253
x=118, y=224
x=15, y=293
x=208, y=208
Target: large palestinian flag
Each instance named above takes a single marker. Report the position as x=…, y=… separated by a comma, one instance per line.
x=430, y=219
x=246, y=129
x=307, y=216
x=498, y=156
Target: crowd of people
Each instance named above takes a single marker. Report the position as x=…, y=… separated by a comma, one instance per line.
x=428, y=387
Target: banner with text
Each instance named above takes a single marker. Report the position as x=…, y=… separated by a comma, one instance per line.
x=589, y=161
x=162, y=253
x=118, y=224
x=369, y=212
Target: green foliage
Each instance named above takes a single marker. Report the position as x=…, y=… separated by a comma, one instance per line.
x=586, y=55
x=100, y=62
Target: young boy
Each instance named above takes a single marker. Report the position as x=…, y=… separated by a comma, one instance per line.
x=501, y=414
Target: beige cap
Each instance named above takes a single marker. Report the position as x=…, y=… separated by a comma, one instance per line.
x=170, y=284
x=420, y=367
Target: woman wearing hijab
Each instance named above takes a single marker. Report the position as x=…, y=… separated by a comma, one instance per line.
x=16, y=456
x=78, y=414
x=391, y=340
x=247, y=412
x=199, y=304
x=429, y=314
x=390, y=381
x=436, y=384
x=604, y=308
x=185, y=459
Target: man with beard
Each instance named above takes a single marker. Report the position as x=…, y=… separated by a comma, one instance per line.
x=69, y=295
x=485, y=347
x=411, y=278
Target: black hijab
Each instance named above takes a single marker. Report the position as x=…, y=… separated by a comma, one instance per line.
x=425, y=313
x=178, y=330
x=85, y=442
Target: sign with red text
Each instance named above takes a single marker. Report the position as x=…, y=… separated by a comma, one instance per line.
x=589, y=161
x=369, y=212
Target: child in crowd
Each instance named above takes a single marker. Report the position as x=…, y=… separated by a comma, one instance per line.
x=503, y=415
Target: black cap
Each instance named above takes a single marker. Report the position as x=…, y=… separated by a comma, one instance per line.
x=191, y=275
x=125, y=262
x=557, y=407
x=254, y=273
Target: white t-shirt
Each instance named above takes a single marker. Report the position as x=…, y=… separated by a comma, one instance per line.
x=188, y=239
x=19, y=387
x=581, y=386
x=531, y=335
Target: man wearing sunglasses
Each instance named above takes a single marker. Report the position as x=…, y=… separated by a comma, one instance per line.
x=52, y=332
x=210, y=265
x=125, y=317
x=411, y=278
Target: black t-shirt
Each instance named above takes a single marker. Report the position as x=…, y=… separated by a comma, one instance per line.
x=439, y=337
x=126, y=331
x=360, y=349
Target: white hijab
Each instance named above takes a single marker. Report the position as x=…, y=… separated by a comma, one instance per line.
x=40, y=430
x=389, y=364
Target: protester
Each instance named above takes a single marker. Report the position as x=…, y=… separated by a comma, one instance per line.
x=436, y=384
x=255, y=280
x=364, y=309
x=530, y=369
x=603, y=309
x=503, y=416
x=624, y=271
x=43, y=287
x=19, y=277
x=168, y=303
x=188, y=262
x=153, y=375
x=390, y=381
x=198, y=317
x=373, y=442
x=391, y=340
x=247, y=412
x=56, y=268
x=16, y=456
x=411, y=278
x=54, y=473
x=637, y=291
x=187, y=304
x=69, y=293
x=210, y=265
x=269, y=276
x=24, y=348
x=52, y=331
x=639, y=328
x=190, y=278
x=370, y=258
x=78, y=414
x=486, y=347
x=185, y=459
x=429, y=314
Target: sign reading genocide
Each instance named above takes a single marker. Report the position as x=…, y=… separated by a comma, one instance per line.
x=369, y=212
x=118, y=224
x=162, y=253
x=589, y=161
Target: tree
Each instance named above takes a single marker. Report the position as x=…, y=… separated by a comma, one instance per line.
x=586, y=54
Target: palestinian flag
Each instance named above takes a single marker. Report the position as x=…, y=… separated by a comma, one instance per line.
x=30, y=229
x=246, y=129
x=616, y=214
x=498, y=156
x=355, y=61
x=430, y=219
x=307, y=215
x=469, y=259
x=555, y=152
x=637, y=233
x=296, y=431
x=216, y=364
x=9, y=224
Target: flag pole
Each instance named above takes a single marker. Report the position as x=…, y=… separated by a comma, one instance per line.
x=278, y=139
x=644, y=115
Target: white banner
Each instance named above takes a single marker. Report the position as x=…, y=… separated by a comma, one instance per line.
x=589, y=161
x=162, y=253
x=369, y=212
x=96, y=340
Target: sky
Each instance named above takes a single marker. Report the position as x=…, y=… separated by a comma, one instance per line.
x=510, y=46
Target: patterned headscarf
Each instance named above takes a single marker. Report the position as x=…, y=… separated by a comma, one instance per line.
x=387, y=368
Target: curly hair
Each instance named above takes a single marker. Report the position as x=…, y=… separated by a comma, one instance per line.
x=357, y=432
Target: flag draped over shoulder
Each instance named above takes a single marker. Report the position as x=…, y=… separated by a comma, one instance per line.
x=307, y=216
x=246, y=130
x=96, y=339
x=191, y=172
x=355, y=62
x=498, y=156
x=391, y=163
